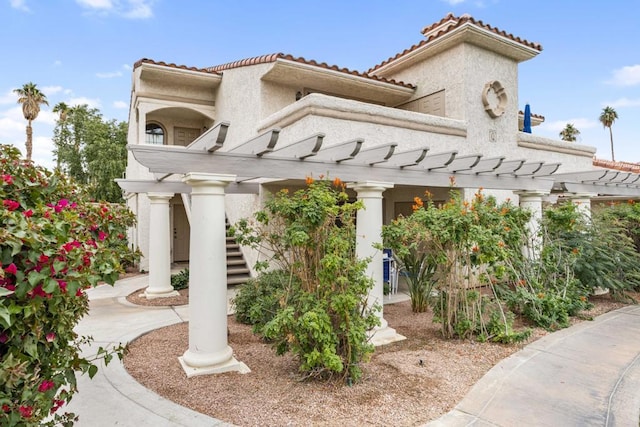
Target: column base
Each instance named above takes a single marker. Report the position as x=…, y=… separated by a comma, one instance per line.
x=231, y=365
x=384, y=336
x=154, y=295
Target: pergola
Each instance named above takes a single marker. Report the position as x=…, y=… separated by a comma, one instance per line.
x=209, y=172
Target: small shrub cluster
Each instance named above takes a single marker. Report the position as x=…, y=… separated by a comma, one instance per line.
x=54, y=244
x=258, y=300
x=322, y=315
x=180, y=280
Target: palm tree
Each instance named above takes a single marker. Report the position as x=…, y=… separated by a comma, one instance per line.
x=31, y=98
x=607, y=117
x=569, y=133
x=62, y=109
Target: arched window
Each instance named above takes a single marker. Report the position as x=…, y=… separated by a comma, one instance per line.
x=154, y=134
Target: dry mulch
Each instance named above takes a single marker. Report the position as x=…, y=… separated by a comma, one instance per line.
x=406, y=383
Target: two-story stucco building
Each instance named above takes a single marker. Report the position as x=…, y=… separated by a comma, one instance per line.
x=444, y=107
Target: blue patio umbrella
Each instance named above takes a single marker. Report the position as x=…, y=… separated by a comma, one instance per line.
x=526, y=127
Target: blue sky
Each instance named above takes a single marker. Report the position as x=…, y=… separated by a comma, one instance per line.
x=82, y=51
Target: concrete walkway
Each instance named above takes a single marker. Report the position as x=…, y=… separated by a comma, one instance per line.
x=587, y=375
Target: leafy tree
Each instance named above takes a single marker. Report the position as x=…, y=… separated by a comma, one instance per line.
x=31, y=99
x=90, y=150
x=62, y=109
x=607, y=118
x=569, y=133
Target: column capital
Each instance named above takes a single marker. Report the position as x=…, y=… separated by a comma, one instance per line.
x=208, y=183
x=531, y=195
x=370, y=187
x=160, y=197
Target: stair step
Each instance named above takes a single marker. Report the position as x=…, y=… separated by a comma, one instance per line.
x=236, y=262
x=237, y=280
x=233, y=246
x=236, y=270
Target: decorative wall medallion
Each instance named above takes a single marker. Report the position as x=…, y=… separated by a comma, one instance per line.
x=493, y=135
x=494, y=99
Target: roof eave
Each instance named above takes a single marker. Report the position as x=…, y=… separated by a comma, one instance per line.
x=466, y=33
x=294, y=73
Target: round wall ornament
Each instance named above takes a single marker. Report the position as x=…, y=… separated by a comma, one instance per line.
x=494, y=98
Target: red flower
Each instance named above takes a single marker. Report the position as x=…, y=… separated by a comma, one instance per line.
x=28, y=213
x=8, y=179
x=6, y=408
x=51, y=336
x=46, y=385
x=79, y=292
x=102, y=235
x=43, y=258
x=11, y=269
x=47, y=214
x=56, y=405
x=26, y=411
x=12, y=205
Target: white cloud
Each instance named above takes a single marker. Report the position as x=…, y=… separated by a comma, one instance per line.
x=139, y=9
x=130, y=9
x=8, y=98
x=626, y=76
x=57, y=63
x=121, y=105
x=96, y=4
x=19, y=4
x=109, y=75
x=623, y=102
x=127, y=67
x=51, y=90
x=9, y=128
x=579, y=123
x=92, y=103
x=48, y=117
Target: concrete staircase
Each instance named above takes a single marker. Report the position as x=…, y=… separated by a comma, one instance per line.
x=237, y=270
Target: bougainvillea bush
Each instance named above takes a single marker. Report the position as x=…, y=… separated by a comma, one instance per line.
x=54, y=244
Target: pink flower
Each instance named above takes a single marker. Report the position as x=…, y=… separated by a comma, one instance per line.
x=46, y=385
x=8, y=179
x=63, y=285
x=51, y=336
x=26, y=411
x=63, y=203
x=28, y=213
x=73, y=205
x=11, y=269
x=56, y=405
x=79, y=292
x=12, y=205
x=102, y=235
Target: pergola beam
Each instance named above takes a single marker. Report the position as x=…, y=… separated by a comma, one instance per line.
x=150, y=186
x=179, y=160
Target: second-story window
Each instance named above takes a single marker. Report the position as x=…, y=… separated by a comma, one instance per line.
x=154, y=134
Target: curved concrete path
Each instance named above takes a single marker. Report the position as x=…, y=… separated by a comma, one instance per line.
x=586, y=375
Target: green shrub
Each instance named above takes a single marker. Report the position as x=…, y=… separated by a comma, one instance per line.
x=180, y=280
x=258, y=300
x=323, y=317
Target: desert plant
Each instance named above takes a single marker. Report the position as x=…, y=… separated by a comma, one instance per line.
x=54, y=244
x=323, y=317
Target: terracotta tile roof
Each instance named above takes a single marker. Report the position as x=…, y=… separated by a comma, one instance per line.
x=264, y=59
x=171, y=65
x=537, y=116
x=620, y=166
x=449, y=23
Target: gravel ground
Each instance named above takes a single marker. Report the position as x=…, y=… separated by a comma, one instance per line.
x=405, y=384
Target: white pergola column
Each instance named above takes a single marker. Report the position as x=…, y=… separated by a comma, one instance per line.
x=583, y=203
x=209, y=352
x=368, y=234
x=159, y=247
x=532, y=201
